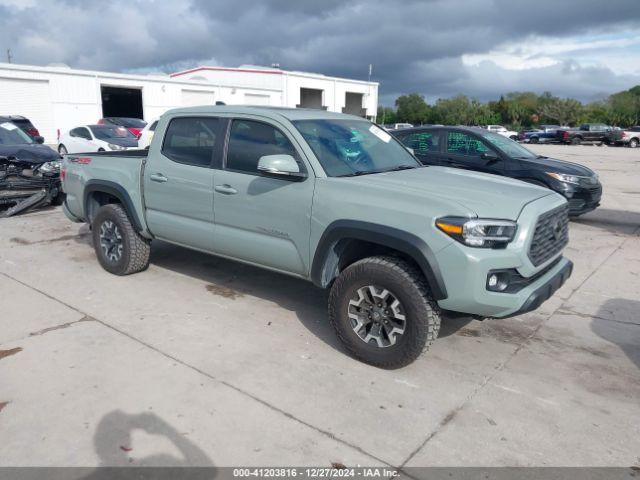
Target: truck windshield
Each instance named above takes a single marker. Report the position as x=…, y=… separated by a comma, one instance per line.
x=12, y=135
x=354, y=147
x=105, y=132
x=508, y=146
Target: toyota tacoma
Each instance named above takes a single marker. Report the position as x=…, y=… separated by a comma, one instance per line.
x=333, y=199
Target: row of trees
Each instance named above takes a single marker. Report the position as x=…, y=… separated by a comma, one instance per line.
x=516, y=109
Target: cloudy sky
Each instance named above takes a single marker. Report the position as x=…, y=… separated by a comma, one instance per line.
x=439, y=48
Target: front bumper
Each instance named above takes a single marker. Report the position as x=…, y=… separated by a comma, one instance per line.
x=582, y=199
x=465, y=271
x=545, y=292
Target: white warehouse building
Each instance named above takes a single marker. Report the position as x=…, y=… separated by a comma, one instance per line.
x=58, y=98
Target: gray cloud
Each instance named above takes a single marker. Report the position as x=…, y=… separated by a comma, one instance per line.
x=414, y=45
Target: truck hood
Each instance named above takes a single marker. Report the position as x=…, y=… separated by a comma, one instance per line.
x=34, y=153
x=483, y=195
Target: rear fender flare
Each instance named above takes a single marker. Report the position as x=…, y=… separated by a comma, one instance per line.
x=115, y=190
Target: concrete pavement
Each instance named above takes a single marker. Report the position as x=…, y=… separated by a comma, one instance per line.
x=203, y=361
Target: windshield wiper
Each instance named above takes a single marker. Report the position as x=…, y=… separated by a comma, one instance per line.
x=357, y=173
x=400, y=167
x=541, y=156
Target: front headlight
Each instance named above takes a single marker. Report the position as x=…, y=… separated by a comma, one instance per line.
x=563, y=177
x=480, y=233
x=50, y=167
x=113, y=146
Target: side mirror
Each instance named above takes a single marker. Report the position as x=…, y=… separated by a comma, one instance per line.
x=38, y=139
x=490, y=157
x=280, y=166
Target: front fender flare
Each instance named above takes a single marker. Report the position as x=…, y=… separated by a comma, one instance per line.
x=399, y=240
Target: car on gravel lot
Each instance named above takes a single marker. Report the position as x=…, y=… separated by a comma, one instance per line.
x=629, y=137
x=542, y=134
x=587, y=133
x=335, y=200
x=29, y=172
x=24, y=124
x=134, y=125
x=96, y=138
x=476, y=149
x=500, y=130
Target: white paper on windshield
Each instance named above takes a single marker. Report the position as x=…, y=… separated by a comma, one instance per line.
x=381, y=134
x=8, y=126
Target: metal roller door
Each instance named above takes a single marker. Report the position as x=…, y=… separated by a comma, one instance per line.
x=31, y=99
x=194, y=98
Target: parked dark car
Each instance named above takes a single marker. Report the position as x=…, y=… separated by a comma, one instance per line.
x=29, y=172
x=134, y=125
x=542, y=134
x=589, y=132
x=482, y=151
x=23, y=123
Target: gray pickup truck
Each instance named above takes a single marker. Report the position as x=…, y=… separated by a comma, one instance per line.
x=333, y=199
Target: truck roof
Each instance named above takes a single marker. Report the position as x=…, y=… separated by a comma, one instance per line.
x=275, y=112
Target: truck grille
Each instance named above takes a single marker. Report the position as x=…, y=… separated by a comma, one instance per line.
x=551, y=235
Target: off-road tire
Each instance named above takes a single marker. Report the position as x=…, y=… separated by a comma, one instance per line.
x=135, y=248
x=408, y=284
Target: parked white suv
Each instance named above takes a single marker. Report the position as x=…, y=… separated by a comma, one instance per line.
x=499, y=129
x=146, y=134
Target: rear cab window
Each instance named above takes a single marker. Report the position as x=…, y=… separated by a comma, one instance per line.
x=193, y=140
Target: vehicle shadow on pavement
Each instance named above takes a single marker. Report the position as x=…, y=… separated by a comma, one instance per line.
x=113, y=444
x=623, y=333
x=614, y=221
x=234, y=279
x=453, y=322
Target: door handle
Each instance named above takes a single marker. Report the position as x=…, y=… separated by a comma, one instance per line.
x=226, y=189
x=158, y=177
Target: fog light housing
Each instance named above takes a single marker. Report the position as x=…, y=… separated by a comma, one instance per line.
x=498, y=281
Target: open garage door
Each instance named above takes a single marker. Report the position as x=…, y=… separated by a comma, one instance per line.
x=311, y=98
x=353, y=104
x=194, y=98
x=31, y=99
x=121, y=102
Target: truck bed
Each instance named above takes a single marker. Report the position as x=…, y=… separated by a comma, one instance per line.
x=122, y=153
x=120, y=172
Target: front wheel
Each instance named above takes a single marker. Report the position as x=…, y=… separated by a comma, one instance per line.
x=119, y=248
x=383, y=312
x=533, y=140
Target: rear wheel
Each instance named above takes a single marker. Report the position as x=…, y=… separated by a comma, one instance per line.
x=576, y=141
x=633, y=143
x=119, y=248
x=383, y=312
